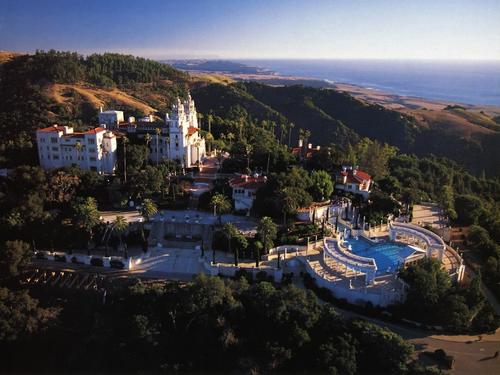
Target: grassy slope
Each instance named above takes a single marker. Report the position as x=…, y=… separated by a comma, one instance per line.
x=95, y=96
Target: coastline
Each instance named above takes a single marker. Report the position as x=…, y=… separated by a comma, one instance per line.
x=369, y=94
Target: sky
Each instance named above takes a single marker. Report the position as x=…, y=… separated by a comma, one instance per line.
x=257, y=29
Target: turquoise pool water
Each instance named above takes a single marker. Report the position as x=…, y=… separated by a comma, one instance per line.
x=388, y=256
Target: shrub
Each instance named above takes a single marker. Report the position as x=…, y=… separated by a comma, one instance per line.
x=263, y=276
x=243, y=273
x=115, y=263
x=98, y=262
x=40, y=255
x=441, y=356
x=60, y=258
x=75, y=260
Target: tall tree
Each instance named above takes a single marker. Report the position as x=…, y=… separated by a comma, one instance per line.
x=86, y=215
x=148, y=209
x=14, y=255
x=322, y=185
x=230, y=232
x=221, y=204
x=158, y=132
x=120, y=226
x=267, y=231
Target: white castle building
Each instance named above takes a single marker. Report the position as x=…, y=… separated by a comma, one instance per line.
x=110, y=118
x=59, y=146
x=178, y=138
x=185, y=142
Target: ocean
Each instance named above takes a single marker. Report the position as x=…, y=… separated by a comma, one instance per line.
x=468, y=82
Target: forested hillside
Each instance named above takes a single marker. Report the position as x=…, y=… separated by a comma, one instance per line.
x=335, y=117
x=47, y=87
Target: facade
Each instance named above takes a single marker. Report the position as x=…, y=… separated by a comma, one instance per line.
x=304, y=153
x=178, y=138
x=245, y=190
x=355, y=181
x=316, y=212
x=110, y=118
x=185, y=143
x=60, y=146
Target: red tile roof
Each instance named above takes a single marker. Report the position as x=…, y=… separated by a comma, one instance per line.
x=58, y=128
x=297, y=151
x=192, y=130
x=355, y=176
x=248, y=182
x=95, y=131
x=50, y=129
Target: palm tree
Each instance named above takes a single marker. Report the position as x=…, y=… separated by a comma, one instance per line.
x=200, y=117
x=248, y=151
x=78, y=147
x=282, y=132
x=147, y=138
x=167, y=146
x=209, y=138
x=197, y=145
x=290, y=127
x=210, y=118
x=258, y=247
x=307, y=134
x=125, y=141
x=230, y=138
x=148, y=209
x=158, y=132
x=119, y=226
x=221, y=204
x=288, y=204
x=87, y=215
x=230, y=231
x=267, y=231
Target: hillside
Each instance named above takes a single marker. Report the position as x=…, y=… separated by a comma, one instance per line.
x=336, y=117
x=48, y=87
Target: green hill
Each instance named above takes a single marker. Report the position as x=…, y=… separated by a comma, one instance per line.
x=335, y=117
x=48, y=87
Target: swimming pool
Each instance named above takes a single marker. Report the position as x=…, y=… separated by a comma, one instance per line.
x=387, y=255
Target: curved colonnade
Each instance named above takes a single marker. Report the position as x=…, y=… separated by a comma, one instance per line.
x=427, y=240
x=363, y=265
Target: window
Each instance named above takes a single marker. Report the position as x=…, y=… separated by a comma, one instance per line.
x=92, y=158
x=91, y=149
x=55, y=149
x=55, y=157
x=53, y=139
x=91, y=141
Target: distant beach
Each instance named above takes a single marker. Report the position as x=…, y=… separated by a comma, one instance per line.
x=467, y=82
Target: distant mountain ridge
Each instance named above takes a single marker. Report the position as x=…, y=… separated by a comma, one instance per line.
x=225, y=66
